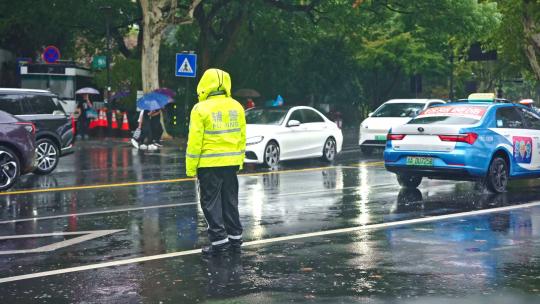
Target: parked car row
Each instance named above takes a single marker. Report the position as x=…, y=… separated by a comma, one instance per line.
x=34, y=133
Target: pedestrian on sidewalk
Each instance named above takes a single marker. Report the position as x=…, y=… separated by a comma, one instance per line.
x=215, y=152
x=144, y=142
x=85, y=113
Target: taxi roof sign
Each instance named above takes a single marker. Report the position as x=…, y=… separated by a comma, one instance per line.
x=482, y=97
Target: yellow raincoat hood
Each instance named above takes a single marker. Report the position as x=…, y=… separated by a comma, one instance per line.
x=214, y=82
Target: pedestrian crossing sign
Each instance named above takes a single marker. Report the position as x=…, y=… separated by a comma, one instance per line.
x=186, y=65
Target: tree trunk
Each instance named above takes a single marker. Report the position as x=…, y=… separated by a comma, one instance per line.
x=150, y=60
x=153, y=25
x=532, y=43
x=157, y=15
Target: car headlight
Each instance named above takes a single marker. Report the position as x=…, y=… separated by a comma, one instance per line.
x=254, y=140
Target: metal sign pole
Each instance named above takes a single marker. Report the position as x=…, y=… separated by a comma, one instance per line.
x=186, y=107
x=186, y=66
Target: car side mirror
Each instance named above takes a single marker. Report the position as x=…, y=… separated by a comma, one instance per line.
x=57, y=112
x=370, y=114
x=293, y=123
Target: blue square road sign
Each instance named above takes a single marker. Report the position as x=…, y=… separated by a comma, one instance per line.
x=186, y=65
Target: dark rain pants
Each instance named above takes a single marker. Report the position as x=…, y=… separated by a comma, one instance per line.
x=146, y=131
x=157, y=129
x=219, y=202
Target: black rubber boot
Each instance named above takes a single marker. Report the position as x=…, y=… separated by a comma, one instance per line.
x=236, y=245
x=216, y=249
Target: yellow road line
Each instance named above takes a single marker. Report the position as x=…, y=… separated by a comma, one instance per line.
x=371, y=164
x=28, y=191
x=165, y=181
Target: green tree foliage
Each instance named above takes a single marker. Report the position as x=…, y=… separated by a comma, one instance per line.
x=125, y=76
x=519, y=37
x=336, y=53
x=418, y=37
x=332, y=53
x=27, y=26
x=348, y=53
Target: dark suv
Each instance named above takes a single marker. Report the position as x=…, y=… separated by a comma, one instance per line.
x=17, y=149
x=54, y=132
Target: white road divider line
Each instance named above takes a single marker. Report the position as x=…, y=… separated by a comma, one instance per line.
x=83, y=236
x=95, y=212
x=269, y=241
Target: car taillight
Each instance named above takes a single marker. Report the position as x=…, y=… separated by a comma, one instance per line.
x=30, y=127
x=391, y=136
x=469, y=138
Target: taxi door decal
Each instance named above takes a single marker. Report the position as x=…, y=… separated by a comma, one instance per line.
x=523, y=148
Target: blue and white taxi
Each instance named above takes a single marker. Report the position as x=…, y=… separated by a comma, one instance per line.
x=480, y=141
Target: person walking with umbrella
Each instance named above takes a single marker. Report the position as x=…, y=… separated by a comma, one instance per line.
x=155, y=121
x=85, y=110
x=215, y=152
x=151, y=105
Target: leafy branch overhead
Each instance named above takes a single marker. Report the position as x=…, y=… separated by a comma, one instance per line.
x=350, y=52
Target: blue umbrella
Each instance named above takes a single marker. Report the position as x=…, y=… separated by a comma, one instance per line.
x=152, y=101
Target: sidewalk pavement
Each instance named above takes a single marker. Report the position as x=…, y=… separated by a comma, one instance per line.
x=350, y=138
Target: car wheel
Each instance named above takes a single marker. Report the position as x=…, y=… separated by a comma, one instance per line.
x=409, y=181
x=497, y=177
x=271, y=155
x=366, y=151
x=9, y=168
x=47, y=155
x=329, y=150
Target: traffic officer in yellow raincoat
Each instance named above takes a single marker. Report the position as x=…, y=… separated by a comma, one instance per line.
x=215, y=152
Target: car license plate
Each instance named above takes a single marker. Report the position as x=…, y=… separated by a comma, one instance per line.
x=419, y=161
x=380, y=137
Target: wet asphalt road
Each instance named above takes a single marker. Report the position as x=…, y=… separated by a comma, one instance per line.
x=410, y=249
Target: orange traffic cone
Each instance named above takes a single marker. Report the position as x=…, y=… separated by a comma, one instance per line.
x=93, y=123
x=73, y=126
x=99, y=121
x=114, y=123
x=104, y=121
x=124, y=130
x=125, y=123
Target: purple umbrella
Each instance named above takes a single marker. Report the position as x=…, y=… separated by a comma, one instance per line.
x=119, y=95
x=165, y=91
x=87, y=90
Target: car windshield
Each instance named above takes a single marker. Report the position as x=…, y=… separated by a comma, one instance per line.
x=398, y=110
x=450, y=115
x=266, y=116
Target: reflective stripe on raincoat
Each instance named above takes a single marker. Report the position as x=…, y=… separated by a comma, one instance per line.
x=217, y=129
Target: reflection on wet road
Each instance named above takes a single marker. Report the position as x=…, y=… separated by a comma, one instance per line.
x=414, y=250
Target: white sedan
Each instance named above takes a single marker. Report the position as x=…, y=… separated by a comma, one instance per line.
x=393, y=113
x=285, y=133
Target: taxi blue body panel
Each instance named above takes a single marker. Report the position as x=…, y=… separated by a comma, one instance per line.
x=471, y=161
